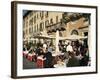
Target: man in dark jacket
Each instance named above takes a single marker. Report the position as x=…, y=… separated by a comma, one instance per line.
x=48, y=60
x=73, y=61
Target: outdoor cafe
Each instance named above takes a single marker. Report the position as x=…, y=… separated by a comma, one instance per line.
x=59, y=55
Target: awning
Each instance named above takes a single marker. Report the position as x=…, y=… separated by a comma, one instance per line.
x=73, y=37
x=44, y=37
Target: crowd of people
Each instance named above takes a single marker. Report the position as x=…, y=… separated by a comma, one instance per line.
x=75, y=52
x=42, y=51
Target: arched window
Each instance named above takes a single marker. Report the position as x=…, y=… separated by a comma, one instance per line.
x=60, y=34
x=74, y=32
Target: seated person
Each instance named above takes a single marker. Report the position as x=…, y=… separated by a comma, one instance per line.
x=73, y=61
x=48, y=59
x=84, y=61
x=24, y=48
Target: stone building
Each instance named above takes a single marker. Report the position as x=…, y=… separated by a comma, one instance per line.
x=47, y=23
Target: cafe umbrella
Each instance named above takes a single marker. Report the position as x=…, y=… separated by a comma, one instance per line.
x=73, y=37
x=58, y=27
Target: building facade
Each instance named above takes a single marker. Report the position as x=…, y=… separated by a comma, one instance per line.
x=37, y=22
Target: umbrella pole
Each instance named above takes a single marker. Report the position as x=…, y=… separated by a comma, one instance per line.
x=57, y=41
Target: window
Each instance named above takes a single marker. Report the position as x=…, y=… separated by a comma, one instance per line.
x=31, y=22
x=46, y=15
x=56, y=19
x=30, y=25
x=86, y=40
x=42, y=14
x=37, y=27
x=34, y=19
x=87, y=17
x=85, y=33
x=46, y=22
x=23, y=34
x=37, y=16
x=51, y=21
x=34, y=28
x=41, y=26
x=30, y=30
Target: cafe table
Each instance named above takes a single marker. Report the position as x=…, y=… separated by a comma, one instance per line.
x=56, y=57
x=40, y=62
x=60, y=65
x=31, y=56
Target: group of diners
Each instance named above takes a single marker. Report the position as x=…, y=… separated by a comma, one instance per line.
x=75, y=53
x=42, y=53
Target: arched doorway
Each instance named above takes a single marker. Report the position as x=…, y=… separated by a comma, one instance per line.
x=74, y=32
x=76, y=42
